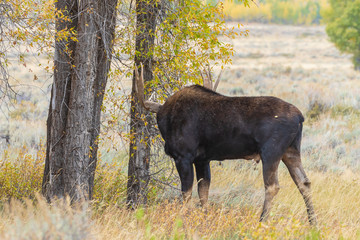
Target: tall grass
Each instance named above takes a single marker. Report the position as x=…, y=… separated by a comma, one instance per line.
x=29, y=219
x=236, y=199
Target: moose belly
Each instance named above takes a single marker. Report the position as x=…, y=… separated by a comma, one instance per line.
x=239, y=149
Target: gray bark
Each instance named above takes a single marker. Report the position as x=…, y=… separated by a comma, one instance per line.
x=139, y=159
x=80, y=78
x=53, y=181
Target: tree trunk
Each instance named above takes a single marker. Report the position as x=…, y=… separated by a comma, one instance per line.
x=139, y=159
x=356, y=60
x=53, y=181
x=80, y=77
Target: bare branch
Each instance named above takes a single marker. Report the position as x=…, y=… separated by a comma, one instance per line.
x=217, y=81
x=208, y=82
x=209, y=77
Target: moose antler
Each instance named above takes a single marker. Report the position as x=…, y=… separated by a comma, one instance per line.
x=139, y=89
x=207, y=81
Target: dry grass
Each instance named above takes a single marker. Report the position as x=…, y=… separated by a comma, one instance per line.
x=236, y=198
x=235, y=204
x=38, y=220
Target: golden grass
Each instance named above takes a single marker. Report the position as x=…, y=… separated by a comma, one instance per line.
x=336, y=199
x=29, y=219
x=236, y=197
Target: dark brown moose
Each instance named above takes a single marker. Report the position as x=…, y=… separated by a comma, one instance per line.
x=200, y=125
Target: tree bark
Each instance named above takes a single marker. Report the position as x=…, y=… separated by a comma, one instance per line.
x=139, y=159
x=80, y=76
x=356, y=60
x=53, y=181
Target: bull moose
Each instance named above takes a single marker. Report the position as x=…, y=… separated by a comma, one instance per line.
x=200, y=125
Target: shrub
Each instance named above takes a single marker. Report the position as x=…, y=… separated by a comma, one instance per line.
x=21, y=177
x=342, y=110
x=316, y=108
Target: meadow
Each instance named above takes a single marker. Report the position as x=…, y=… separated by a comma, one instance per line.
x=295, y=63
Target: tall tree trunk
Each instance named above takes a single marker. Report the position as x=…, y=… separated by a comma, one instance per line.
x=139, y=159
x=356, y=60
x=80, y=77
x=53, y=181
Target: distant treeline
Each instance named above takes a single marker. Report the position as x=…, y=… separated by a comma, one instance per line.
x=277, y=11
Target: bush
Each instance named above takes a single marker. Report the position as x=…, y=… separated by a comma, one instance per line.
x=110, y=184
x=21, y=177
x=343, y=27
x=316, y=108
x=342, y=110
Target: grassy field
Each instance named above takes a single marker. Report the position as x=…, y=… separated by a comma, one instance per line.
x=295, y=63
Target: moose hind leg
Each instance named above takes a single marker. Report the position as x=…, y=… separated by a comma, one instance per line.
x=271, y=183
x=292, y=161
x=186, y=172
x=203, y=177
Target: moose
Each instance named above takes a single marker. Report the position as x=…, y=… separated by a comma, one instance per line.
x=199, y=125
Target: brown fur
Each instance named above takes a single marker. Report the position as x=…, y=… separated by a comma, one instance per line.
x=199, y=125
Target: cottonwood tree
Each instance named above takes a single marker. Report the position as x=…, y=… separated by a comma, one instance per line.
x=83, y=50
x=139, y=159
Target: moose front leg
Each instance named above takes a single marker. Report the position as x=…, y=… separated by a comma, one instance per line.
x=203, y=177
x=186, y=173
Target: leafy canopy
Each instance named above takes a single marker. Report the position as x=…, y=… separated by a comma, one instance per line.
x=189, y=38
